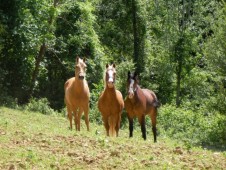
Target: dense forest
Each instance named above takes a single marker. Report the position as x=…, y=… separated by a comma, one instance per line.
x=177, y=47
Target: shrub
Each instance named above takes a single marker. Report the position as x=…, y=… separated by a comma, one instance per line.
x=194, y=127
x=40, y=105
x=7, y=100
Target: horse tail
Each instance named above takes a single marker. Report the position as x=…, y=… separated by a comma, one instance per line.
x=157, y=104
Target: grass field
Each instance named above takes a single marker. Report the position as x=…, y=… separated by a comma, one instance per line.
x=30, y=140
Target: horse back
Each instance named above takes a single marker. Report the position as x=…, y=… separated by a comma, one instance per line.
x=68, y=83
x=120, y=99
x=151, y=99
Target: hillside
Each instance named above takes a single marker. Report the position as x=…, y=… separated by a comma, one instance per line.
x=31, y=140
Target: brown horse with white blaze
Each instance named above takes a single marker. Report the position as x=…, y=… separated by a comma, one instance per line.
x=77, y=95
x=139, y=103
x=111, y=103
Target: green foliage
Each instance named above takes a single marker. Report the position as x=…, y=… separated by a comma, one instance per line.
x=195, y=127
x=158, y=76
x=8, y=101
x=94, y=114
x=180, y=44
x=121, y=76
x=39, y=105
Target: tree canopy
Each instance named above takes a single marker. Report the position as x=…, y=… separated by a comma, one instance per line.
x=178, y=48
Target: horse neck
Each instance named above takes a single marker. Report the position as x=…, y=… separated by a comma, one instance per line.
x=138, y=90
x=79, y=84
x=110, y=91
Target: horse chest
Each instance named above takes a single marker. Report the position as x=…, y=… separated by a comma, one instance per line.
x=135, y=107
x=109, y=104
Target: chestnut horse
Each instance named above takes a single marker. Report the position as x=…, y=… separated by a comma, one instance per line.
x=138, y=103
x=111, y=103
x=77, y=95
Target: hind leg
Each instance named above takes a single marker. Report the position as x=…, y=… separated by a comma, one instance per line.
x=141, y=120
x=86, y=113
x=69, y=114
x=153, y=116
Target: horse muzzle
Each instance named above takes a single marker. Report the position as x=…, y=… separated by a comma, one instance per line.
x=130, y=95
x=81, y=76
x=110, y=84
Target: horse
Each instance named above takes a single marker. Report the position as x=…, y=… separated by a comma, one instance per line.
x=77, y=95
x=139, y=103
x=111, y=103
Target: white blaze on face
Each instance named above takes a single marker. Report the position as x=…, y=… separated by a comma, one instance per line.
x=110, y=76
x=131, y=92
x=110, y=80
x=81, y=69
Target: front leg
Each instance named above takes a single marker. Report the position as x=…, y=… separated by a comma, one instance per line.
x=106, y=125
x=130, y=127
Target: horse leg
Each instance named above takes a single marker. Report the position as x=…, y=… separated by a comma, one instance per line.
x=112, y=124
x=118, y=124
x=130, y=126
x=153, y=116
x=75, y=111
x=106, y=125
x=86, y=113
x=69, y=114
x=141, y=120
x=79, y=118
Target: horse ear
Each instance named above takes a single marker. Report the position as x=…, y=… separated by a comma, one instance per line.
x=107, y=65
x=129, y=74
x=114, y=65
x=77, y=58
x=84, y=59
x=135, y=75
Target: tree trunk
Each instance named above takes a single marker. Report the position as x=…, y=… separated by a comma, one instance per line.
x=179, y=69
x=139, y=32
x=40, y=58
x=135, y=35
x=36, y=70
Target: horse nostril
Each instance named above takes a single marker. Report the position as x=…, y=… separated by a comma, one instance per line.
x=81, y=77
x=130, y=95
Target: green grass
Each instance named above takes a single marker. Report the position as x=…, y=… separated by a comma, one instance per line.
x=30, y=140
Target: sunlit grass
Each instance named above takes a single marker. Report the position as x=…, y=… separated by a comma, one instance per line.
x=30, y=140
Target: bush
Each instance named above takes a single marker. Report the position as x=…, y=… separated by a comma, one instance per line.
x=193, y=127
x=40, y=105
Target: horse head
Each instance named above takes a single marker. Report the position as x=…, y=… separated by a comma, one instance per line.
x=132, y=83
x=80, y=68
x=110, y=75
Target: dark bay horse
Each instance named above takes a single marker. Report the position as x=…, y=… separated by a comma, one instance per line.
x=139, y=103
x=77, y=95
x=111, y=103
